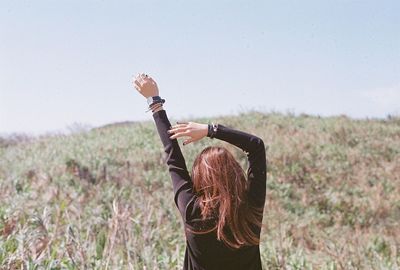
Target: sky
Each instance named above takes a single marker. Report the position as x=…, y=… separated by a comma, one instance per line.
x=66, y=63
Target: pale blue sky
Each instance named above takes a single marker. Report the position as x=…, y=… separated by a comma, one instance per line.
x=65, y=62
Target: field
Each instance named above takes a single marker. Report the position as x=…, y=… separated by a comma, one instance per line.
x=102, y=199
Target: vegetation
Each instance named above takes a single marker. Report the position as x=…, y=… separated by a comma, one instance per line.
x=102, y=199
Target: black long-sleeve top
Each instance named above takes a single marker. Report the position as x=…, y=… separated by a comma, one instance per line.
x=204, y=251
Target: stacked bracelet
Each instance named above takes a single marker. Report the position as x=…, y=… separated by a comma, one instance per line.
x=212, y=130
x=156, y=104
x=156, y=107
x=154, y=99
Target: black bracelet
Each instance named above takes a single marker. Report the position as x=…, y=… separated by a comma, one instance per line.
x=157, y=101
x=212, y=130
x=152, y=105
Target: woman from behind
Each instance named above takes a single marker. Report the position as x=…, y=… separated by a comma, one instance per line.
x=221, y=205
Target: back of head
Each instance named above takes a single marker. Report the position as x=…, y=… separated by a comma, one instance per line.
x=221, y=185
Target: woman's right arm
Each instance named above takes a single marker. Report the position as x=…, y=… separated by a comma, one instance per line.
x=254, y=148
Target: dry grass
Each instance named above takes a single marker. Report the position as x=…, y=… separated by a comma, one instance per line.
x=103, y=200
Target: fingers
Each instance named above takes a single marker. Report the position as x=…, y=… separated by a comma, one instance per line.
x=188, y=141
x=178, y=133
x=137, y=84
x=180, y=124
x=182, y=129
x=142, y=78
x=178, y=128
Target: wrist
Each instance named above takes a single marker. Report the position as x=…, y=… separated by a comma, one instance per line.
x=154, y=102
x=205, y=129
x=212, y=130
x=154, y=99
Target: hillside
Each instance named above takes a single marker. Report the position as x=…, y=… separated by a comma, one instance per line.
x=103, y=198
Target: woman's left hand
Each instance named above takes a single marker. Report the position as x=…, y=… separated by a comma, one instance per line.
x=195, y=131
x=145, y=85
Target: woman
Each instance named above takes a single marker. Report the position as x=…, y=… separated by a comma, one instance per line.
x=221, y=209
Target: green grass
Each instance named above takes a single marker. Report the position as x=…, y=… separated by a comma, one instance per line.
x=102, y=199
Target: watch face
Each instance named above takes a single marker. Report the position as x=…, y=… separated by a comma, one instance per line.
x=150, y=99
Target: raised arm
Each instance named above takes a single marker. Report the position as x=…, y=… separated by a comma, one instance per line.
x=254, y=148
x=181, y=181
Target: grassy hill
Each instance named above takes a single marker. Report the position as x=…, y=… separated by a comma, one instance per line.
x=102, y=199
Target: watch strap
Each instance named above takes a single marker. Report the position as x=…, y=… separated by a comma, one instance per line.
x=151, y=100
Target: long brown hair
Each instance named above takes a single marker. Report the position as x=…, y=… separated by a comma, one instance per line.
x=221, y=186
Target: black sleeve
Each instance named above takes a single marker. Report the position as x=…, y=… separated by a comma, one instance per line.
x=254, y=148
x=181, y=180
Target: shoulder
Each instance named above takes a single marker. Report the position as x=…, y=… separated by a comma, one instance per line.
x=192, y=210
x=193, y=217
